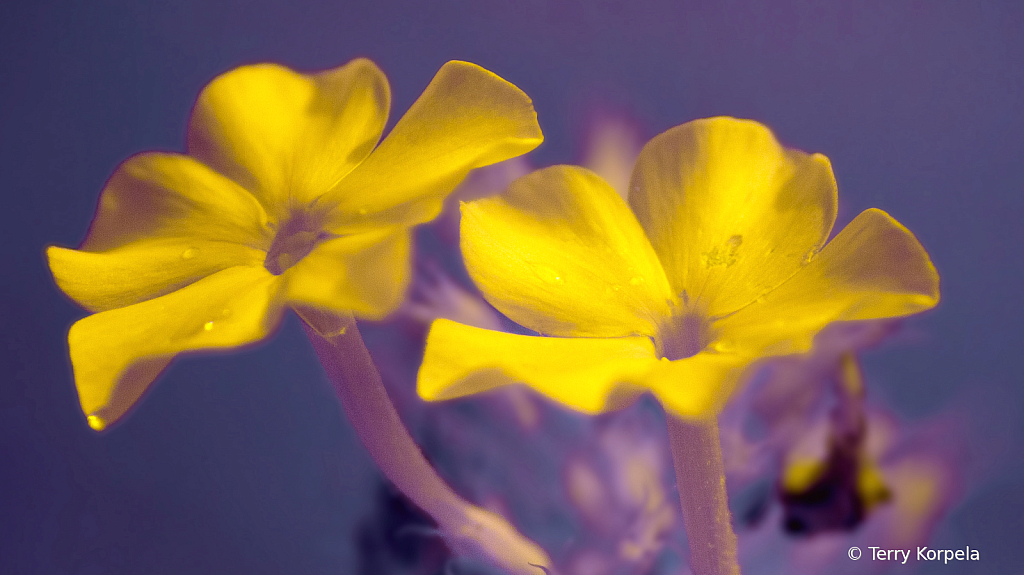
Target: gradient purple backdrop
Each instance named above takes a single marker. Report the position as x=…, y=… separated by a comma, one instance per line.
x=242, y=463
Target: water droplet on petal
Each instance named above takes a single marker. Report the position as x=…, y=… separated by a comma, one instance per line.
x=224, y=313
x=208, y=326
x=189, y=253
x=722, y=346
x=96, y=422
x=549, y=275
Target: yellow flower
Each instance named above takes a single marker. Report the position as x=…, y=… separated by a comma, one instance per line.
x=279, y=202
x=716, y=261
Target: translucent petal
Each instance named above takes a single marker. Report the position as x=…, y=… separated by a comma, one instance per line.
x=874, y=268
x=163, y=222
x=142, y=270
x=466, y=118
x=730, y=212
x=586, y=374
x=117, y=353
x=561, y=253
x=364, y=274
x=698, y=386
x=289, y=137
x=159, y=195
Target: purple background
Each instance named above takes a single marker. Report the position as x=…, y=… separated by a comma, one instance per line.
x=242, y=463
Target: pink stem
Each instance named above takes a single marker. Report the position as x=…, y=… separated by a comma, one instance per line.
x=468, y=529
x=700, y=475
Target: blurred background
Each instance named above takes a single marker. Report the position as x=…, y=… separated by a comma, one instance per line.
x=243, y=463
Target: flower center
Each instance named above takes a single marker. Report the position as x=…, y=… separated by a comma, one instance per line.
x=293, y=241
x=686, y=333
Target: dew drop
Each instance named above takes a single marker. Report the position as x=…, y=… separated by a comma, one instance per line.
x=208, y=326
x=549, y=275
x=189, y=253
x=96, y=422
x=224, y=313
x=336, y=333
x=723, y=346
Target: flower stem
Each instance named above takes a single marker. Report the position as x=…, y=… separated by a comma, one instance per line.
x=468, y=529
x=700, y=475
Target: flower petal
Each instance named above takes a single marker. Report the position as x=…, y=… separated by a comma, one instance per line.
x=587, y=374
x=466, y=118
x=117, y=353
x=142, y=270
x=560, y=253
x=289, y=137
x=364, y=274
x=698, y=386
x=163, y=195
x=730, y=212
x=875, y=268
x=163, y=222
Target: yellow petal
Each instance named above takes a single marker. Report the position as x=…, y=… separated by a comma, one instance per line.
x=163, y=222
x=289, y=137
x=589, y=375
x=730, y=212
x=117, y=353
x=142, y=270
x=174, y=196
x=364, y=274
x=561, y=253
x=466, y=118
x=698, y=386
x=874, y=268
